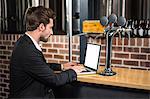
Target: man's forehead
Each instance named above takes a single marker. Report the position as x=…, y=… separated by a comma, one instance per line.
x=51, y=21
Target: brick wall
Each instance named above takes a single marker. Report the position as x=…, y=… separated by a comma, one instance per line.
x=6, y=46
x=133, y=53
x=130, y=53
x=56, y=49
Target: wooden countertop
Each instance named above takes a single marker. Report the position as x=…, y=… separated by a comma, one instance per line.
x=131, y=78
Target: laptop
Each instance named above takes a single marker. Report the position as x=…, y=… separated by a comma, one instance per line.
x=91, y=61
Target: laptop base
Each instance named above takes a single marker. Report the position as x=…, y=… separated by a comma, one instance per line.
x=87, y=71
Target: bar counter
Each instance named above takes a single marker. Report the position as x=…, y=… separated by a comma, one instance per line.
x=130, y=78
x=126, y=84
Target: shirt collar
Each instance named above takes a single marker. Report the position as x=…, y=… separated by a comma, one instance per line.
x=34, y=42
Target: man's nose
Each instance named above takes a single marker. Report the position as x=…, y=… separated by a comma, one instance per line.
x=51, y=32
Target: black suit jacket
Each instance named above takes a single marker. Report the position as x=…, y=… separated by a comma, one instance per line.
x=30, y=75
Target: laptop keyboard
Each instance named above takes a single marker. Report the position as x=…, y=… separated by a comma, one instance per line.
x=86, y=70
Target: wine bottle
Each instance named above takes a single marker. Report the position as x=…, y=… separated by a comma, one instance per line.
x=129, y=26
x=149, y=28
x=140, y=29
x=135, y=27
x=146, y=23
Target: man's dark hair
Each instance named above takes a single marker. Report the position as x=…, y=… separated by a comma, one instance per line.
x=37, y=15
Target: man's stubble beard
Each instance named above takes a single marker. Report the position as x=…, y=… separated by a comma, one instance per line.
x=44, y=39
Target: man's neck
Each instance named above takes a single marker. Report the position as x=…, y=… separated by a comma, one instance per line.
x=34, y=35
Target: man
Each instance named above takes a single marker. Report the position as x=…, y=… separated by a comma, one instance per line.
x=30, y=75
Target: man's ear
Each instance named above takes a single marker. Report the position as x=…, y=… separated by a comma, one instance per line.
x=41, y=27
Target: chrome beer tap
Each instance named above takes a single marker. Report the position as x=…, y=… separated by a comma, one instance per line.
x=110, y=33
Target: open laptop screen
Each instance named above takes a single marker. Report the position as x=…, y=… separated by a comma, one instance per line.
x=92, y=56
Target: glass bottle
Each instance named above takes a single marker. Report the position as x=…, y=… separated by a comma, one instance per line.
x=131, y=26
x=149, y=28
x=135, y=27
x=146, y=23
x=140, y=29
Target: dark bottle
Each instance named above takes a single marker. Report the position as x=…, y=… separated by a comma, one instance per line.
x=135, y=27
x=145, y=27
x=132, y=27
x=129, y=26
x=149, y=27
x=140, y=29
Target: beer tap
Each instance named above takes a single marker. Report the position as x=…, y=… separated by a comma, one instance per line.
x=110, y=33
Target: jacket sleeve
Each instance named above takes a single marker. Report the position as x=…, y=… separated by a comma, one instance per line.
x=55, y=66
x=37, y=68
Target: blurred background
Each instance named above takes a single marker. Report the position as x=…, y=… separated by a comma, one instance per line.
x=12, y=12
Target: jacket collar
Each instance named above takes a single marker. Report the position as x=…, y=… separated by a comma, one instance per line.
x=34, y=42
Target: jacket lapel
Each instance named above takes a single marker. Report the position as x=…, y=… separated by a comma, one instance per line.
x=30, y=42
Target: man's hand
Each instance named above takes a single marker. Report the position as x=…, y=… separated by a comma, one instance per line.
x=68, y=65
x=76, y=67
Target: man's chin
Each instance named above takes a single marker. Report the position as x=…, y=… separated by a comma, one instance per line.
x=44, y=39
